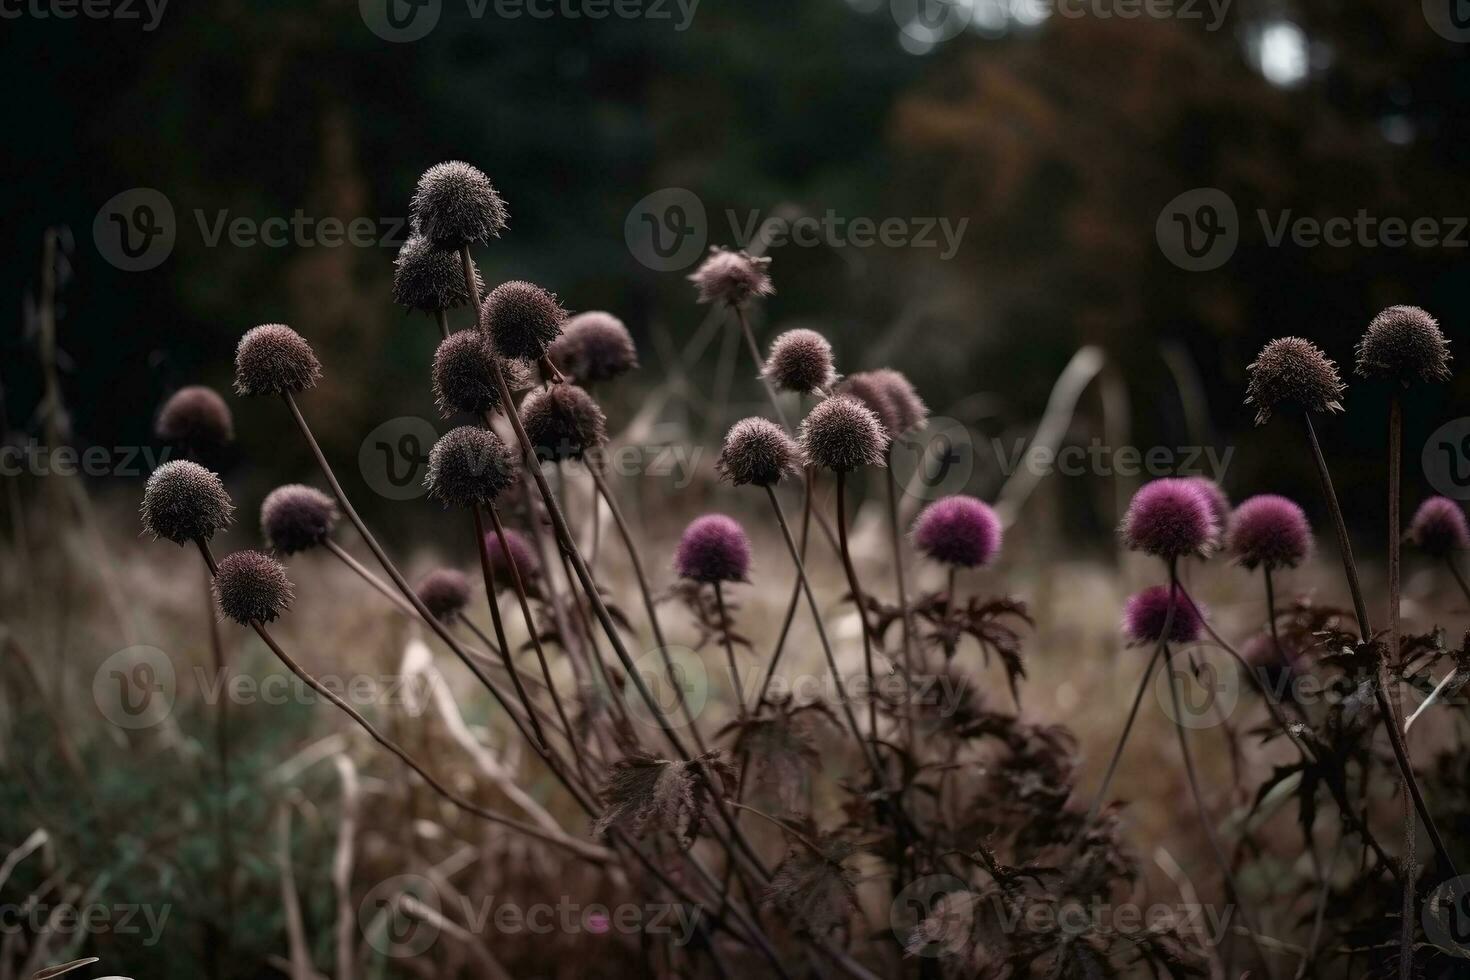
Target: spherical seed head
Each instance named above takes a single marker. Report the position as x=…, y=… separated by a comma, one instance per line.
x=1269, y=531
x=526, y=562
x=521, y=320
x=958, y=530
x=428, y=278
x=1145, y=613
x=841, y=434
x=732, y=277
x=252, y=587
x=1170, y=518
x=445, y=592
x=757, y=451
x=801, y=361
x=1293, y=373
x=470, y=465
x=455, y=205
x=1218, y=500
x=273, y=359
x=1439, y=528
x=909, y=410
x=184, y=501
x=464, y=375
x=869, y=389
x=195, y=417
x=594, y=346
x=713, y=548
x=1404, y=344
x=563, y=422
x=297, y=518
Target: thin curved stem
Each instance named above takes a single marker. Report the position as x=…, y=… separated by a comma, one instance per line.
x=857, y=597
x=367, y=576
x=1102, y=791
x=735, y=688
x=791, y=607
x=896, y=539
x=499, y=626
x=1395, y=696
x=760, y=364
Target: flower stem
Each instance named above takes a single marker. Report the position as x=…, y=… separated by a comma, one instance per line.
x=896, y=536
x=735, y=689
x=1395, y=536
x=857, y=598
x=760, y=364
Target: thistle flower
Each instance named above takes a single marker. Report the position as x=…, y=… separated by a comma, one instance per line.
x=909, y=409
x=1439, y=528
x=1145, y=613
x=468, y=466
x=731, y=277
x=756, y=451
x=801, y=361
x=713, y=548
x=296, y=518
x=428, y=278
x=594, y=346
x=521, y=320
x=1404, y=344
x=841, y=434
x=958, y=530
x=252, y=587
x=563, y=422
x=184, y=501
x=1292, y=372
x=444, y=592
x=1219, y=503
x=520, y=550
x=464, y=375
x=1270, y=531
x=273, y=359
x=1170, y=518
x=195, y=417
x=456, y=205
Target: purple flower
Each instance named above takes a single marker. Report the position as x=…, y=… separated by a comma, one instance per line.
x=520, y=550
x=713, y=548
x=801, y=360
x=251, y=587
x=731, y=277
x=444, y=592
x=273, y=359
x=594, y=346
x=1439, y=527
x=1145, y=613
x=195, y=417
x=958, y=530
x=1270, y=531
x=296, y=518
x=1219, y=503
x=1170, y=518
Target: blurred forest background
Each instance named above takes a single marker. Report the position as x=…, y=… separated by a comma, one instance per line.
x=1059, y=139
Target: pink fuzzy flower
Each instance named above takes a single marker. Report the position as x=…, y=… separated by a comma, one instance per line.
x=714, y=548
x=958, y=530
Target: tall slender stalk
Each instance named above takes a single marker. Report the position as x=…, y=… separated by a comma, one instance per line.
x=222, y=763
x=896, y=540
x=735, y=687
x=1393, y=656
x=857, y=597
x=760, y=365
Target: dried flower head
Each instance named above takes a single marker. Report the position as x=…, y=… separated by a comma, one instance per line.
x=713, y=548
x=184, y=501
x=909, y=410
x=594, y=346
x=644, y=793
x=470, y=465
x=1292, y=372
x=273, y=359
x=252, y=587
x=1404, y=344
x=520, y=551
x=1219, y=503
x=563, y=422
x=801, y=361
x=958, y=530
x=444, y=592
x=521, y=320
x=1269, y=531
x=842, y=434
x=869, y=389
x=731, y=277
x=756, y=451
x=464, y=375
x=1146, y=612
x=1439, y=528
x=1170, y=518
x=296, y=517
x=429, y=278
x=455, y=205
x=195, y=417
